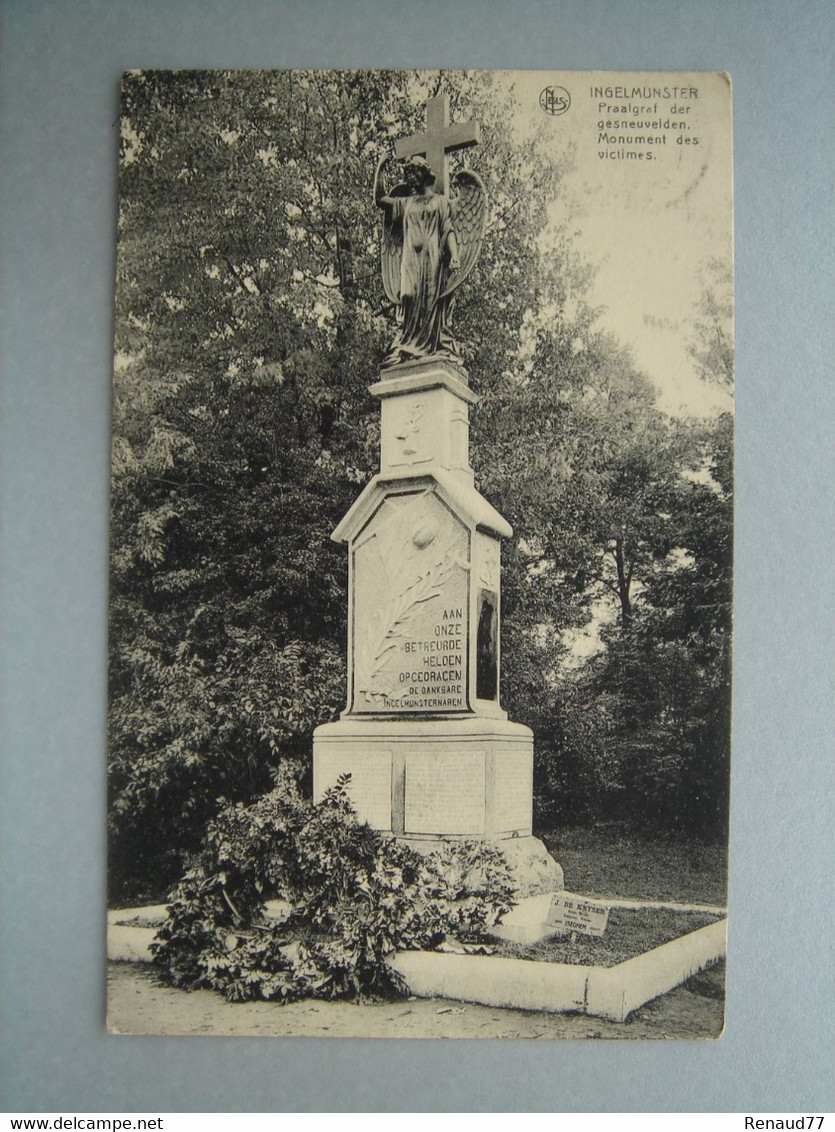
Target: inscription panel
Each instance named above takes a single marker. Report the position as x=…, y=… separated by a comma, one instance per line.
x=445, y=792
x=370, y=785
x=411, y=579
x=513, y=790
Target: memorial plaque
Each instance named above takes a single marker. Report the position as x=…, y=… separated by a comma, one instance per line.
x=573, y=913
x=370, y=785
x=411, y=573
x=487, y=646
x=445, y=792
x=513, y=777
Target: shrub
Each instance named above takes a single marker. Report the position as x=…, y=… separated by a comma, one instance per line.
x=351, y=897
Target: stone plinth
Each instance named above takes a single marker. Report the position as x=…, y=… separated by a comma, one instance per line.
x=424, y=419
x=424, y=558
x=425, y=779
x=431, y=754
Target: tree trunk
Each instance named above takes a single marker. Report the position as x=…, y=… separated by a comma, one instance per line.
x=624, y=580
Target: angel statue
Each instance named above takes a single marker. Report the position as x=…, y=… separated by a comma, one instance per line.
x=430, y=245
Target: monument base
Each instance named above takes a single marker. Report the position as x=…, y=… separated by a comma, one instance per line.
x=534, y=869
x=427, y=781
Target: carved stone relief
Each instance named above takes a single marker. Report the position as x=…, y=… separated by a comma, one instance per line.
x=411, y=638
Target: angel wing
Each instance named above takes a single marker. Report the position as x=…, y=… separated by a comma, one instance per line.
x=468, y=200
x=391, y=247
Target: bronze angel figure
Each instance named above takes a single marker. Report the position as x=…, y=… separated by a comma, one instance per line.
x=430, y=245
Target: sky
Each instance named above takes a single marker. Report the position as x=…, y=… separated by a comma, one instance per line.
x=648, y=223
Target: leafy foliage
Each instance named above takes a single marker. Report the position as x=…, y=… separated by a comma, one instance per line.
x=352, y=898
x=711, y=341
x=641, y=729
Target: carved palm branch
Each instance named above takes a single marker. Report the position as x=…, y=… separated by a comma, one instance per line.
x=405, y=606
x=468, y=201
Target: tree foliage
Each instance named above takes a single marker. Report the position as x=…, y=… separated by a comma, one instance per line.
x=641, y=730
x=711, y=340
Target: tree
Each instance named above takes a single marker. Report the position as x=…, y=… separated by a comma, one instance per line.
x=623, y=520
x=640, y=730
x=711, y=342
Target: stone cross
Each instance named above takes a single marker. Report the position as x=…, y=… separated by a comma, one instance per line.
x=440, y=139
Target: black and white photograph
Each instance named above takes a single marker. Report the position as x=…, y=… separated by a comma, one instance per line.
x=393, y=654
x=420, y=572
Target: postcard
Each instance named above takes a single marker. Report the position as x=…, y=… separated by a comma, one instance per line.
x=420, y=606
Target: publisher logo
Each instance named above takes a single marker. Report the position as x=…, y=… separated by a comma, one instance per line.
x=555, y=100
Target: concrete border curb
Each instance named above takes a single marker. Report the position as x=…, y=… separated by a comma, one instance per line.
x=520, y=984
x=525, y=984
x=129, y=945
x=614, y=992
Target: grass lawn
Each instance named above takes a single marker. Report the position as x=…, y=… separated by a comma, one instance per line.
x=610, y=860
x=629, y=932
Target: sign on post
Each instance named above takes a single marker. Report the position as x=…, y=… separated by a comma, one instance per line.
x=573, y=913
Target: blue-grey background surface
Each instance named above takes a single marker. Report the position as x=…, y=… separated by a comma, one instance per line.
x=61, y=63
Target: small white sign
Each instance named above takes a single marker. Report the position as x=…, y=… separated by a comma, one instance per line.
x=573, y=913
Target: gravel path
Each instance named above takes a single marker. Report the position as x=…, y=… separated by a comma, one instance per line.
x=139, y=1004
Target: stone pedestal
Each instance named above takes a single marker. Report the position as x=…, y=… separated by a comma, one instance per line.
x=431, y=754
x=430, y=778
